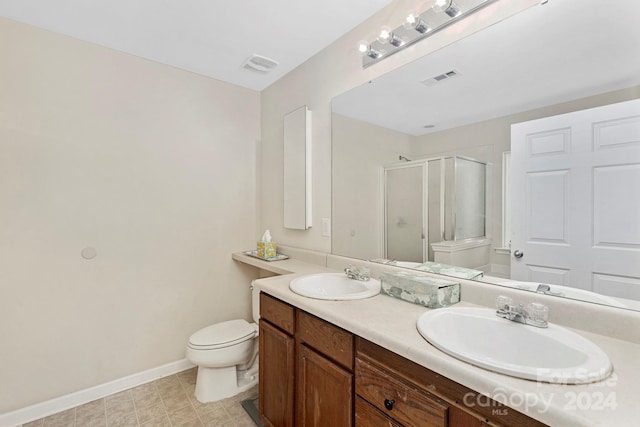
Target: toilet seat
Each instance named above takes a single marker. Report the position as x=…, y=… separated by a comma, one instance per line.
x=224, y=334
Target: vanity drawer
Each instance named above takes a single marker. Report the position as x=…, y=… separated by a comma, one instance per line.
x=277, y=313
x=405, y=404
x=367, y=416
x=333, y=342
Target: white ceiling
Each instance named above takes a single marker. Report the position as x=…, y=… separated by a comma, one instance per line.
x=209, y=37
x=547, y=54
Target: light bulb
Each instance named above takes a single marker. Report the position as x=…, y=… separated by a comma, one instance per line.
x=414, y=22
x=365, y=49
x=363, y=46
x=385, y=34
x=410, y=20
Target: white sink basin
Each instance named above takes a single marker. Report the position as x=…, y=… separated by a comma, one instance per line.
x=334, y=286
x=479, y=337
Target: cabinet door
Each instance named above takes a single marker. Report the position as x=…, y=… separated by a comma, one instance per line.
x=324, y=391
x=277, y=358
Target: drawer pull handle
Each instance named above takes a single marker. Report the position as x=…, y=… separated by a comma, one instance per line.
x=388, y=403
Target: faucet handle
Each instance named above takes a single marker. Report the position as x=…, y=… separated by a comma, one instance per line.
x=538, y=312
x=357, y=273
x=503, y=302
x=351, y=268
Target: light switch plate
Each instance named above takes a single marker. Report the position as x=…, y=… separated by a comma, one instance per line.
x=326, y=227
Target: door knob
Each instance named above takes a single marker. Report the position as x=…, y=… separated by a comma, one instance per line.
x=518, y=253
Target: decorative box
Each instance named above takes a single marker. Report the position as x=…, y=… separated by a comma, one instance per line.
x=422, y=290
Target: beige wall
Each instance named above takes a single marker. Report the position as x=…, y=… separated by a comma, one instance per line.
x=335, y=70
x=359, y=151
x=155, y=168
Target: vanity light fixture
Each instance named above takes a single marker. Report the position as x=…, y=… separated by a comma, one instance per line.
x=417, y=26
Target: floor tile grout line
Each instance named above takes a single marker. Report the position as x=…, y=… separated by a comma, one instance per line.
x=186, y=391
x=186, y=382
x=104, y=406
x=177, y=376
x=166, y=412
x=135, y=409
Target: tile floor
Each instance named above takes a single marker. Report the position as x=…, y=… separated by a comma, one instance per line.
x=166, y=402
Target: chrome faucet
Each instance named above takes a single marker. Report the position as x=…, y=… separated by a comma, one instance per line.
x=534, y=314
x=356, y=273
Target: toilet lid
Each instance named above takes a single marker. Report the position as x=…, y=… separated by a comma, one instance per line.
x=223, y=334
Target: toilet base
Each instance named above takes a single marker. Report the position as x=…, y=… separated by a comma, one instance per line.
x=214, y=384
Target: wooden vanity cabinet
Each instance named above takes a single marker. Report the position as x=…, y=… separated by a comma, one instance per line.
x=306, y=368
x=277, y=362
x=313, y=373
x=392, y=391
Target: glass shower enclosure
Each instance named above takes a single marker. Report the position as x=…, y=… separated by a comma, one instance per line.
x=432, y=200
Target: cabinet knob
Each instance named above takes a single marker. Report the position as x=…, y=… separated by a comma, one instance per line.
x=388, y=403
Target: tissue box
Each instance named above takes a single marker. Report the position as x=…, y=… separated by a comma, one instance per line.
x=422, y=290
x=266, y=249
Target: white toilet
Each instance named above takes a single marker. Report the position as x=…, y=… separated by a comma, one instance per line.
x=227, y=357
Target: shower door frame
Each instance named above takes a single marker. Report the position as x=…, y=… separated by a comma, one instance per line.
x=422, y=163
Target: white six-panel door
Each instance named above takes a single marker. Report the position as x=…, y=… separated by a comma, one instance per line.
x=576, y=200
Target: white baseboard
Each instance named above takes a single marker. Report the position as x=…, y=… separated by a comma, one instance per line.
x=49, y=407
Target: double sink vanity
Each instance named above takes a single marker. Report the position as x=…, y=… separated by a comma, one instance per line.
x=334, y=352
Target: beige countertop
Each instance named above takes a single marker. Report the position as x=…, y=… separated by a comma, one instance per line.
x=391, y=323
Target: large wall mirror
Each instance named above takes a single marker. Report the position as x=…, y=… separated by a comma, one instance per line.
x=421, y=156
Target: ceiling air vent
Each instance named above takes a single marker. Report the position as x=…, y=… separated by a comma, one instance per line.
x=259, y=63
x=440, y=77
